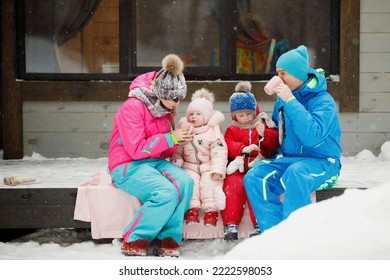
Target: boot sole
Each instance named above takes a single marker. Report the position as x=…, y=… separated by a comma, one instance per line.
x=134, y=254
x=231, y=236
x=160, y=252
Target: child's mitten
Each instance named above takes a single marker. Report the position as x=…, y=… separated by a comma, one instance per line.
x=220, y=198
x=236, y=164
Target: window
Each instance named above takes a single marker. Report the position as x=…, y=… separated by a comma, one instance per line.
x=217, y=39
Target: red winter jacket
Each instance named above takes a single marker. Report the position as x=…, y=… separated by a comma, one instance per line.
x=237, y=138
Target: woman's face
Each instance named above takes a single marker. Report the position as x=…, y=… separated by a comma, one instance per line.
x=292, y=82
x=170, y=104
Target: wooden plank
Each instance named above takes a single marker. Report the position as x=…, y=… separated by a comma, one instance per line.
x=329, y=193
x=39, y=216
x=37, y=196
x=375, y=82
x=375, y=42
x=375, y=22
x=38, y=208
x=375, y=6
x=365, y=122
x=67, y=122
x=375, y=102
x=353, y=143
x=54, y=145
x=375, y=62
x=71, y=106
x=349, y=55
x=12, y=98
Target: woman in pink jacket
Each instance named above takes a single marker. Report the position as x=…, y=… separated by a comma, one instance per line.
x=143, y=136
x=204, y=158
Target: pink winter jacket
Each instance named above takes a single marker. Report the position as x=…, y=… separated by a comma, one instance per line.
x=137, y=134
x=204, y=152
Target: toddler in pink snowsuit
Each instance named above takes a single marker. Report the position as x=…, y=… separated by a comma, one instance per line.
x=204, y=158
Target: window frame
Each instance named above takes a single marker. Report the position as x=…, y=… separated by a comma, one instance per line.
x=127, y=50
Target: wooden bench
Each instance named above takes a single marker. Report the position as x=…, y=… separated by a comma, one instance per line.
x=54, y=207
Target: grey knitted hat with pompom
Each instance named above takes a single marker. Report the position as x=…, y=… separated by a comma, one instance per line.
x=170, y=82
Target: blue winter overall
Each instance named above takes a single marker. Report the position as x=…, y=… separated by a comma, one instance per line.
x=308, y=159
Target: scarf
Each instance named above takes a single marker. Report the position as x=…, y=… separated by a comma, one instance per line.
x=282, y=128
x=149, y=98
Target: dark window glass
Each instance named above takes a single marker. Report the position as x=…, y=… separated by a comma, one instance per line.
x=218, y=39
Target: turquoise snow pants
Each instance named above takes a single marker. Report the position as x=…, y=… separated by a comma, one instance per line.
x=165, y=191
x=295, y=177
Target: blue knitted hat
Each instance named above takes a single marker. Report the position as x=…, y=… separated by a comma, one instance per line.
x=242, y=99
x=295, y=62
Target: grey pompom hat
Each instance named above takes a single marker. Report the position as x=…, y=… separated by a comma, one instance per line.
x=170, y=83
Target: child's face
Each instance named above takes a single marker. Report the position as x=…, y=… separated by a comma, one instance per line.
x=292, y=82
x=244, y=117
x=196, y=118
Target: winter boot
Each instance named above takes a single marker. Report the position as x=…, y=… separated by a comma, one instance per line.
x=210, y=218
x=192, y=216
x=167, y=247
x=255, y=231
x=135, y=248
x=230, y=232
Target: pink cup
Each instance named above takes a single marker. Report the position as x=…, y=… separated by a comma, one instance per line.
x=270, y=86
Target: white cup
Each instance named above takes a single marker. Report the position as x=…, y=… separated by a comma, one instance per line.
x=270, y=86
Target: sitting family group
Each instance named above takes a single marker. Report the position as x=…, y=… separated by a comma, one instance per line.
x=178, y=171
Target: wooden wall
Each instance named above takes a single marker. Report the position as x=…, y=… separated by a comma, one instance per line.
x=370, y=128
x=82, y=128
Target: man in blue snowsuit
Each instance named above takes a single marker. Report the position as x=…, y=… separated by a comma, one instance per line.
x=309, y=136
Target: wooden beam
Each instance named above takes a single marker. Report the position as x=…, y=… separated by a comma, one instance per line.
x=349, y=55
x=11, y=90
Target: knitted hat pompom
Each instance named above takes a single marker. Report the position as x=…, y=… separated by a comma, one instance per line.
x=172, y=64
x=203, y=93
x=244, y=86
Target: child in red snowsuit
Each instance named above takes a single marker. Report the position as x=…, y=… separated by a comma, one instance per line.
x=252, y=136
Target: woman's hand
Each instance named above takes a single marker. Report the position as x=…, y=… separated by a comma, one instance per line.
x=183, y=135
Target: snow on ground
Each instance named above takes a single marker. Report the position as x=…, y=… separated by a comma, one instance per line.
x=354, y=226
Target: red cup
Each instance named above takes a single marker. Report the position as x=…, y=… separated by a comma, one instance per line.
x=270, y=86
